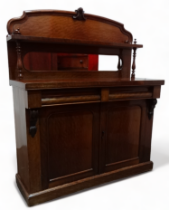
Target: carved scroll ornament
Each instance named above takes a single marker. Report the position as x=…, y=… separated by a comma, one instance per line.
x=153, y=102
x=79, y=14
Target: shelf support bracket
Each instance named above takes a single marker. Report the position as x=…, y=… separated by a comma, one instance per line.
x=153, y=103
x=33, y=121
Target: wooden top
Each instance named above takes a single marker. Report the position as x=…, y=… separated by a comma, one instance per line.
x=65, y=25
x=83, y=83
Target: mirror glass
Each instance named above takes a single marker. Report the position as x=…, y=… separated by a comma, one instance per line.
x=45, y=61
x=108, y=62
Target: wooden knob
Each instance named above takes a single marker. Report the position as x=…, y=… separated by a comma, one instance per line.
x=81, y=61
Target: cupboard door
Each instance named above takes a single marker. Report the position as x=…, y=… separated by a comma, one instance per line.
x=122, y=134
x=69, y=143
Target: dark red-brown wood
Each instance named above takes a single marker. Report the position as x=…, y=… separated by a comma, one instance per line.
x=76, y=128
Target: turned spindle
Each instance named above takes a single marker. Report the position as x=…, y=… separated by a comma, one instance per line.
x=134, y=61
x=19, y=60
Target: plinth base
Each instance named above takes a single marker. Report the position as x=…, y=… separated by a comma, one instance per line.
x=65, y=189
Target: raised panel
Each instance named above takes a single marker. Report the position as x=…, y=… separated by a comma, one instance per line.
x=122, y=139
x=70, y=143
x=123, y=129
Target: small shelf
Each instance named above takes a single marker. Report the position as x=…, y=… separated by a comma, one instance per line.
x=18, y=37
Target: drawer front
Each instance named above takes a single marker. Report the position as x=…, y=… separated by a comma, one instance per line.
x=67, y=96
x=74, y=62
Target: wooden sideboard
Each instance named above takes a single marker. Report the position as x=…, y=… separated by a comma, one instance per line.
x=76, y=129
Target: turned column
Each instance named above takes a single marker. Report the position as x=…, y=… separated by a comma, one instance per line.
x=134, y=61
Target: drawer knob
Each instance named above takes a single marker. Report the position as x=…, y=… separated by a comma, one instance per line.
x=81, y=61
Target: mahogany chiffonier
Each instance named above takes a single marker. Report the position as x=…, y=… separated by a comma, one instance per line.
x=76, y=129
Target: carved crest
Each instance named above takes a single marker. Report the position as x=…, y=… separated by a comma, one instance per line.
x=79, y=14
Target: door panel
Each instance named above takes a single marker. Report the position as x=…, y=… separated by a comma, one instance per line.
x=123, y=128
x=120, y=144
x=72, y=141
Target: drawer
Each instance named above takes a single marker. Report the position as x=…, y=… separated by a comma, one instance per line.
x=88, y=95
x=76, y=62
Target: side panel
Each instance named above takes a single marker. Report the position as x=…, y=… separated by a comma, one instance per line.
x=20, y=135
x=28, y=147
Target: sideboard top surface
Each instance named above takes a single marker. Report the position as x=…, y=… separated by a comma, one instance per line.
x=83, y=83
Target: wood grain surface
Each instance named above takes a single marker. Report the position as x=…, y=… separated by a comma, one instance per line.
x=75, y=128
x=60, y=24
x=56, y=192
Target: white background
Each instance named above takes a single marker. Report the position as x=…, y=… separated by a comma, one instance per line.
x=148, y=21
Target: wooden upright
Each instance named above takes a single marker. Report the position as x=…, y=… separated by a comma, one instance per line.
x=76, y=129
